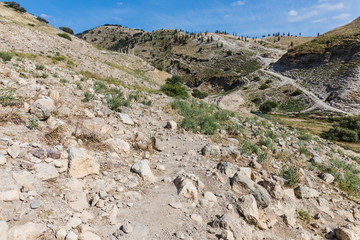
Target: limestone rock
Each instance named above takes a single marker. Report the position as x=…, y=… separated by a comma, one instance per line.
x=211, y=150
x=118, y=145
x=247, y=207
x=306, y=192
x=3, y=230
x=46, y=171
x=327, y=177
x=10, y=195
x=14, y=150
x=89, y=236
x=81, y=163
x=143, y=169
x=240, y=181
x=43, y=108
x=171, y=125
x=344, y=234
x=186, y=187
x=28, y=231
x=125, y=118
x=2, y=160
x=71, y=236
x=273, y=188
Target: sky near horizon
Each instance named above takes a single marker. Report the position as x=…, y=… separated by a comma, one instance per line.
x=245, y=17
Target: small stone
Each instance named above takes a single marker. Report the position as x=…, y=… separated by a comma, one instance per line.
x=127, y=228
x=81, y=163
x=46, y=171
x=305, y=192
x=61, y=234
x=176, y=205
x=14, y=150
x=89, y=236
x=186, y=187
x=103, y=195
x=43, y=108
x=180, y=235
x=54, y=154
x=39, y=153
x=171, y=125
x=125, y=118
x=73, y=223
x=2, y=160
x=10, y=195
x=35, y=204
x=71, y=236
x=143, y=169
x=316, y=160
x=197, y=218
x=28, y=230
x=327, y=177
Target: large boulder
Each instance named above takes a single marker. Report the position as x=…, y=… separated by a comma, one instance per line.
x=118, y=145
x=247, y=207
x=305, y=192
x=143, y=169
x=43, y=108
x=81, y=163
x=3, y=230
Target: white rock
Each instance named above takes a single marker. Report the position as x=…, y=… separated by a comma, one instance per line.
x=247, y=206
x=71, y=236
x=46, y=171
x=197, y=218
x=89, y=236
x=28, y=231
x=127, y=228
x=306, y=192
x=118, y=145
x=81, y=163
x=3, y=230
x=143, y=169
x=73, y=223
x=125, y=119
x=43, y=108
x=2, y=160
x=61, y=234
x=10, y=195
x=186, y=187
x=171, y=125
x=327, y=177
x=14, y=150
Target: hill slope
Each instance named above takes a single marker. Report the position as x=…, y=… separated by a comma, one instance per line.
x=212, y=61
x=329, y=66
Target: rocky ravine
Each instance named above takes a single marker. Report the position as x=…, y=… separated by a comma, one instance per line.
x=74, y=169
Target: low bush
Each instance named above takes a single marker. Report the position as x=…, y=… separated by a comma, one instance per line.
x=64, y=35
x=345, y=130
x=67, y=30
x=41, y=19
x=175, y=90
x=292, y=105
x=297, y=92
x=199, y=94
x=6, y=56
x=291, y=175
x=268, y=106
x=264, y=86
x=257, y=101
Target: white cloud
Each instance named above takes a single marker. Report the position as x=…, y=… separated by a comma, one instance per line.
x=341, y=16
x=330, y=7
x=299, y=18
x=293, y=13
x=238, y=3
x=321, y=20
x=45, y=16
x=119, y=3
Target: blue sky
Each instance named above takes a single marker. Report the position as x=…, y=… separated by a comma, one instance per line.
x=245, y=17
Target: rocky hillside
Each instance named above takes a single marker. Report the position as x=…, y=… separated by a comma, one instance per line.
x=210, y=61
x=328, y=66
x=91, y=150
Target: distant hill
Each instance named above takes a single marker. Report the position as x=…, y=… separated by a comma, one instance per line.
x=207, y=60
x=329, y=65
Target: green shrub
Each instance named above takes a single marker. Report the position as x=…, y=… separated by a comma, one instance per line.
x=291, y=175
x=6, y=56
x=267, y=142
x=268, y=106
x=257, y=100
x=198, y=94
x=292, y=105
x=88, y=96
x=297, y=92
x=15, y=6
x=262, y=157
x=202, y=117
x=7, y=97
x=249, y=148
x=64, y=81
x=304, y=215
x=64, y=35
x=41, y=19
x=268, y=81
x=174, y=80
x=305, y=137
x=33, y=122
x=39, y=67
x=175, y=90
x=346, y=130
x=116, y=99
x=67, y=30
x=256, y=79
x=264, y=86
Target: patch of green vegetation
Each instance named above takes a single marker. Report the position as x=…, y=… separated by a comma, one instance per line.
x=305, y=137
x=6, y=56
x=291, y=175
x=292, y=105
x=264, y=86
x=43, y=20
x=7, y=97
x=248, y=67
x=67, y=30
x=33, y=122
x=249, y=148
x=268, y=106
x=297, y=92
x=64, y=35
x=64, y=81
x=88, y=96
x=257, y=101
x=199, y=94
x=116, y=99
x=39, y=67
x=345, y=129
x=174, y=88
x=304, y=215
x=267, y=142
x=202, y=117
x=58, y=58
x=16, y=6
